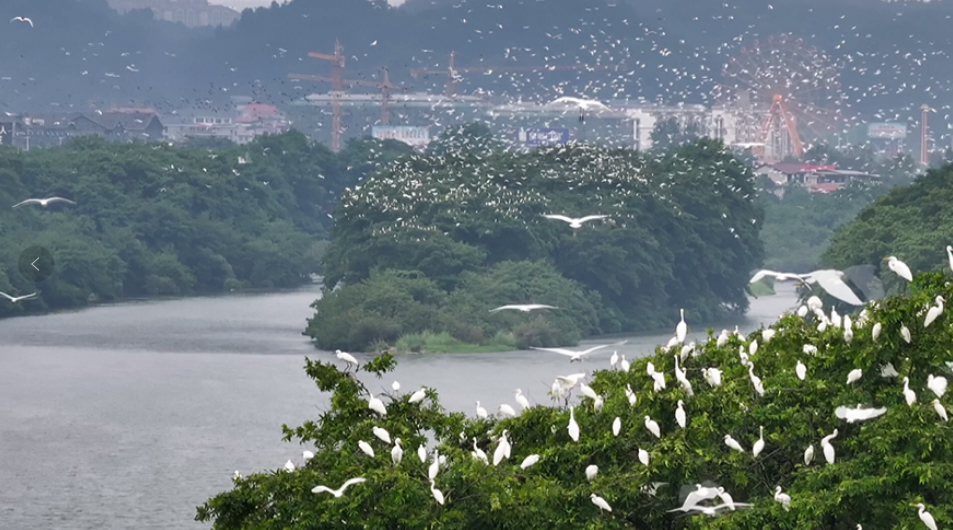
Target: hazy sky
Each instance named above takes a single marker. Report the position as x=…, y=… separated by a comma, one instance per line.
x=242, y=4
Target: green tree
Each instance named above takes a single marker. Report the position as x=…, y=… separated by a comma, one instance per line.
x=880, y=466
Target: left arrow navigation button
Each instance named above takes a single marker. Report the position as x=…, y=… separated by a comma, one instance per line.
x=36, y=264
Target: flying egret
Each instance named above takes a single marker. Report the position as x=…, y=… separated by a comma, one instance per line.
x=934, y=312
x=22, y=19
x=937, y=385
x=397, y=453
x=523, y=308
x=800, y=370
x=44, y=202
x=940, y=411
x=653, y=427
x=591, y=472
x=418, y=396
x=854, y=375
x=340, y=491
x=506, y=410
x=603, y=505
x=573, y=427
x=899, y=268
x=15, y=299
x=521, y=399
x=575, y=356
x=480, y=411
x=382, y=434
x=366, y=448
x=828, y=448
x=809, y=455
x=700, y=494
x=644, y=457
x=682, y=328
x=575, y=223
x=529, y=461
x=376, y=405
x=783, y=498
x=925, y=516
x=732, y=443
x=346, y=357
x=759, y=445
x=858, y=414
x=908, y=394
x=616, y=426
x=680, y=418
x=831, y=280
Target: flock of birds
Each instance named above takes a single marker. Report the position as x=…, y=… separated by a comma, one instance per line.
x=696, y=500
x=44, y=203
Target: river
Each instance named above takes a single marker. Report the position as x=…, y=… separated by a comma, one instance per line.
x=130, y=415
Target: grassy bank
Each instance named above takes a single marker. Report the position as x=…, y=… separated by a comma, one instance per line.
x=430, y=342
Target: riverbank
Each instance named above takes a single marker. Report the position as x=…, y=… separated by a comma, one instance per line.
x=431, y=342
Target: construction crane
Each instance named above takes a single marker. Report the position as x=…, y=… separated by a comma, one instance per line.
x=779, y=126
x=384, y=85
x=453, y=73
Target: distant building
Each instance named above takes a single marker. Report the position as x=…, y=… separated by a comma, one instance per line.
x=815, y=178
x=46, y=130
x=239, y=126
x=192, y=13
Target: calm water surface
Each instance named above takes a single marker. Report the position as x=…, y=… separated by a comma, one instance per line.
x=129, y=416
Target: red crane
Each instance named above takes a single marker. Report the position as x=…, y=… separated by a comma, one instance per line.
x=453, y=73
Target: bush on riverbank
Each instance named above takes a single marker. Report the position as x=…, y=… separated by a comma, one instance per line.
x=155, y=219
x=880, y=466
x=682, y=233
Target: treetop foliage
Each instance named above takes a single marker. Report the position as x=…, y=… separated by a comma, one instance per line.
x=682, y=232
x=880, y=466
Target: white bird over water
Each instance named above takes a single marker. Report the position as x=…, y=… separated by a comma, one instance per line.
x=15, y=299
x=521, y=399
x=524, y=308
x=899, y=268
x=575, y=223
x=22, y=19
x=858, y=414
x=43, y=202
x=340, y=491
x=575, y=356
x=346, y=357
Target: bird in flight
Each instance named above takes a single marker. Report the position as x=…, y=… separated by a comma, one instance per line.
x=575, y=224
x=44, y=202
x=832, y=281
x=15, y=299
x=577, y=355
x=340, y=491
x=22, y=19
x=525, y=308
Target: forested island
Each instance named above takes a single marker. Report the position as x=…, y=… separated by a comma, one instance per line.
x=426, y=247
x=161, y=220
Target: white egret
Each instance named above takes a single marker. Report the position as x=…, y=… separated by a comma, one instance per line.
x=601, y=503
x=506, y=410
x=376, y=405
x=382, y=434
x=759, y=445
x=614, y=359
x=395, y=386
x=949, y=255
x=480, y=411
x=30, y=22
x=573, y=427
x=732, y=443
x=397, y=453
x=346, y=357
x=238, y=475
x=712, y=376
x=899, y=268
x=887, y=371
x=753, y=347
x=479, y=454
x=630, y=395
x=700, y=494
x=307, y=455
x=908, y=394
x=575, y=222
x=937, y=385
x=15, y=299
x=680, y=418
x=521, y=399
x=802, y=311
x=809, y=455
x=422, y=453
x=340, y=491
x=289, y=466
x=875, y=332
x=653, y=427
x=591, y=472
x=43, y=202
x=755, y=380
x=644, y=457
x=940, y=411
x=529, y=461
x=858, y=414
x=713, y=510
x=934, y=312
x=854, y=375
x=502, y=449
x=418, y=396
x=726, y=498
x=800, y=370
x=616, y=426
x=523, y=308
x=681, y=329
x=831, y=280
x=623, y=364
x=809, y=349
x=723, y=338
x=575, y=356
x=680, y=376
x=905, y=333
x=658, y=381
x=434, y=466
x=767, y=335
x=828, y=448
x=783, y=498
x=366, y=448
x=437, y=494
x=925, y=516
x=588, y=391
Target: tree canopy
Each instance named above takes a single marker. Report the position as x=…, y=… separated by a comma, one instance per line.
x=682, y=232
x=876, y=470
x=154, y=219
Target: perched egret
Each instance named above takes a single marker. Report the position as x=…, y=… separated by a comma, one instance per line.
x=712, y=376
x=899, y=268
x=623, y=364
x=573, y=427
x=759, y=445
x=480, y=411
x=289, y=466
x=507, y=410
x=800, y=370
x=809, y=455
x=682, y=328
x=588, y=391
x=937, y=385
x=529, y=461
x=630, y=395
x=934, y=312
x=395, y=386
x=726, y=498
x=616, y=426
x=828, y=448
x=418, y=396
x=905, y=333
x=908, y=394
x=603, y=505
x=614, y=359
x=376, y=405
x=875, y=332
x=366, y=448
x=307, y=455
x=591, y=472
x=723, y=338
x=854, y=375
x=653, y=427
x=437, y=494
x=940, y=411
x=755, y=380
x=397, y=453
x=340, y=491
x=382, y=434
x=949, y=255
x=783, y=498
x=479, y=454
x=521, y=399
x=732, y=443
x=422, y=453
x=502, y=449
x=346, y=357
x=925, y=516
x=434, y=467
x=858, y=414
x=644, y=457
x=680, y=418
x=888, y=370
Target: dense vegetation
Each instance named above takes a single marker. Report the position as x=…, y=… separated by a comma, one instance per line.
x=435, y=241
x=880, y=466
x=152, y=219
x=910, y=222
